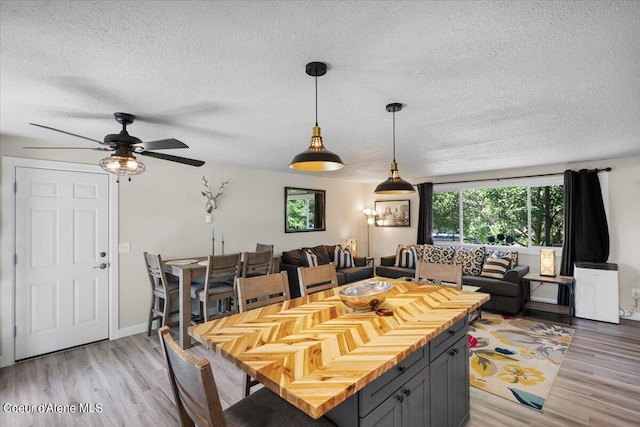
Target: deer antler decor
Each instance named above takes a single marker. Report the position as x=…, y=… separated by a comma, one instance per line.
x=212, y=201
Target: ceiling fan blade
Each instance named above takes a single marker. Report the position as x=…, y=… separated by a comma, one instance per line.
x=184, y=160
x=67, y=148
x=162, y=144
x=69, y=133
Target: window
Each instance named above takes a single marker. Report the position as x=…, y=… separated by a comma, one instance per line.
x=529, y=212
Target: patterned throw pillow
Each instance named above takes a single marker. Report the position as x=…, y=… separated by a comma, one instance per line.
x=310, y=258
x=512, y=254
x=438, y=254
x=495, y=266
x=343, y=258
x=471, y=259
x=406, y=256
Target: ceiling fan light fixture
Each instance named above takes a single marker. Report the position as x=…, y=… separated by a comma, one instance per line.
x=122, y=165
x=316, y=158
x=394, y=184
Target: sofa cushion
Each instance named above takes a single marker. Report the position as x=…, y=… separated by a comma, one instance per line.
x=471, y=259
x=394, y=272
x=343, y=258
x=292, y=257
x=406, y=256
x=493, y=286
x=330, y=251
x=353, y=274
x=437, y=254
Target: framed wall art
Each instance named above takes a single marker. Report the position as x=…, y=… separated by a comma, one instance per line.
x=393, y=213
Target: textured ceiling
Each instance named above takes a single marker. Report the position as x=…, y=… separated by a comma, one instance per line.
x=485, y=85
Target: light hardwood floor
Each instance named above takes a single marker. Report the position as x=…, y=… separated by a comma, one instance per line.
x=598, y=384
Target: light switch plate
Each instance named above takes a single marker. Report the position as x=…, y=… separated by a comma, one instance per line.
x=124, y=248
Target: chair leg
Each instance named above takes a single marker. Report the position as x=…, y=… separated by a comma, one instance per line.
x=166, y=303
x=205, y=303
x=153, y=301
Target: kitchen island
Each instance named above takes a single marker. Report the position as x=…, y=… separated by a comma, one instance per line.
x=358, y=368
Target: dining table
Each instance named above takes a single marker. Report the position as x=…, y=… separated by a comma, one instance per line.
x=315, y=352
x=185, y=269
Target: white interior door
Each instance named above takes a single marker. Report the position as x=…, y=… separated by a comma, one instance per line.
x=62, y=260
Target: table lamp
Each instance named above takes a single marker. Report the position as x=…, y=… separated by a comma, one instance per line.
x=547, y=262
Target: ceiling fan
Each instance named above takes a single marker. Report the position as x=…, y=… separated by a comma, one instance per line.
x=124, y=146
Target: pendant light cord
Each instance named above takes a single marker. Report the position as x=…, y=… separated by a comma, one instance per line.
x=394, y=136
x=316, y=100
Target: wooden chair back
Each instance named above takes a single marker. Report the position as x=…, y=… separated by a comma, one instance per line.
x=155, y=271
x=260, y=291
x=443, y=274
x=261, y=247
x=223, y=268
x=194, y=388
x=221, y=275
x=257, y=263
x=316, y=279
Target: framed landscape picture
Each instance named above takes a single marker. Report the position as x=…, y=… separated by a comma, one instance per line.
x=393, y=213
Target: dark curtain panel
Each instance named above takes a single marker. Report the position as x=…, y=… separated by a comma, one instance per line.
x=586, y=234
x=425, y=213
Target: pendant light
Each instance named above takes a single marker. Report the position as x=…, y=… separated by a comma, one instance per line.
x=316, y=158
x=395, y=184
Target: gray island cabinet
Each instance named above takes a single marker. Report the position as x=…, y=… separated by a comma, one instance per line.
x=430, y=388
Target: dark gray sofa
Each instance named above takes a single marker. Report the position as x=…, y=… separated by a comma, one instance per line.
x=507, y=294
x=291, y=260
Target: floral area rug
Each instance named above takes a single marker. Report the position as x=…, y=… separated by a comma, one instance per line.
x=515, y=358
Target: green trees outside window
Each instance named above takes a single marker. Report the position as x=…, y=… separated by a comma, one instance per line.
x=520, y=215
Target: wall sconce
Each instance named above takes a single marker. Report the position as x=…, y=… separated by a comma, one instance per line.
x=371, y=218
x=353, y=246
x=547, y=262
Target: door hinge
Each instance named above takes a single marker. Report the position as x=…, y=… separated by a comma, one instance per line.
x=15, y=331
x=15, y=259
x=15, y=187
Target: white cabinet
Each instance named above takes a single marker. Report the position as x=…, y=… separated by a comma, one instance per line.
x=596, y=291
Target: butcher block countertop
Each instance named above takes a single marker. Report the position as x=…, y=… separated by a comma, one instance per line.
x=315, y=352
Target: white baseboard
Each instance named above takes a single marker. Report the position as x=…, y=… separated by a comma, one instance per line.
x=131, y=330
x=546, y=300
x=636, y=317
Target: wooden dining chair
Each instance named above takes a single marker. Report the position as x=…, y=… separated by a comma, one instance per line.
x=164, y=288
x=198, y=402
x=261, y=291
x=316, y=279
x=261, y=247
x=442, y=274
x=219, y=286
x=257, y=263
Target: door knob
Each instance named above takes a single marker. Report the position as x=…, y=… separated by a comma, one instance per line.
x=102, y=266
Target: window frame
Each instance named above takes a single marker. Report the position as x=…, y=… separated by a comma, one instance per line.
x=537, y=181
